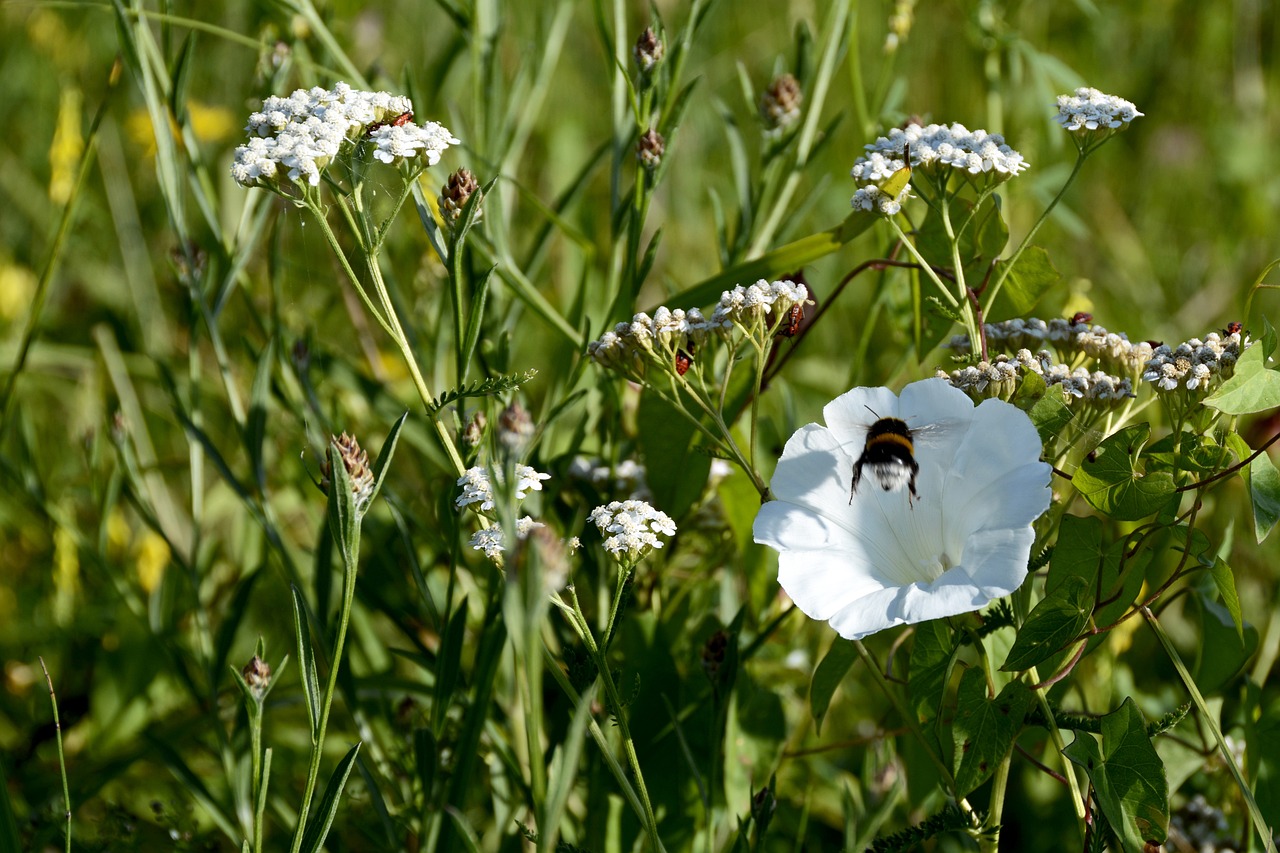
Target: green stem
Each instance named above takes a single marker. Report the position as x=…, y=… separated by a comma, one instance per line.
x=62, y=762
x=1055, y=734
x=619, y=714
x=908, y=716
x=1255, y=814
x=990, y=840
x=1008, y=266
x=317, y=747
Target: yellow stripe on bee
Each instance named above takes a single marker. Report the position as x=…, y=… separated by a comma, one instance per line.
x=893, y=438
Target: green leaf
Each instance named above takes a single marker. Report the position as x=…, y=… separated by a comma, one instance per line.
x=1225, y=580
x=1222, y=651
x=306, y=661
x=426, y=757
x=827, y=677
x=1127, y=775
x=318, y=827
x=1049, y=413
x=383, y=463
x=985, y=728
x=1263, y=481
x=8, y=823
x=1252, y=387
x=1263, y=752
x=255, y=427
x=344, y=522
x=1079, y=552
x=449, y=663
x=933, y=654
x=1030, y=279
x=1113, y=481
x=675, y=469
x=1052, y=624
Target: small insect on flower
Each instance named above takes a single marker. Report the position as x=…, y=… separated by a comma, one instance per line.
x=791, y=328
x=888, y=457
x=399, y=121
x=1081, y=317
x=684, y=361
x=1234, y=328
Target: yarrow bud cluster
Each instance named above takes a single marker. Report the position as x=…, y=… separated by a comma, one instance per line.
x=780, y=103
x=1093, y=116
x=650, y=148
x=1001, y=376
x=476, y=488
x=454, y=195
x=1110, y=349
x=356, y=461
x=296, y=138
x=1196, y=364
x=648, y=51
x=634, y=526
x=669, y=334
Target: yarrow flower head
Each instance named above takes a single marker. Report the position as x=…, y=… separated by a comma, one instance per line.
x=476, y=488
x=293, y=140
x=491, y=540
x=1070, y=337
x=877, y=558
x=1092, y=116
x=939, y=151
x=634, y=526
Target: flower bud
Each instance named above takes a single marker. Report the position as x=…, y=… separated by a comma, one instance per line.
x=780, y=103
x=257, y=674
x=454, y=195
x=356, y=461
x=648, y=51
x=650, y=148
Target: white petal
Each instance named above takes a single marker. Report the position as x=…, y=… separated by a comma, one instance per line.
x=849, y=415
x=821, y=583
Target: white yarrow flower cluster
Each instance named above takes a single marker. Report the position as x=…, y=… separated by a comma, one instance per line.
x=1089, y=113
x=671, y=334
x=940, y=149
x=1195, y=364
x=876, y=200
x=295, y=138
x=491, y=540
x=634, y=526
x=476, y=488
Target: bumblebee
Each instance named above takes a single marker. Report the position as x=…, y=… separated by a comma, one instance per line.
x=888, y=456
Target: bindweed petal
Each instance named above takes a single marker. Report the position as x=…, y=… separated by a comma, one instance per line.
x=879, y=557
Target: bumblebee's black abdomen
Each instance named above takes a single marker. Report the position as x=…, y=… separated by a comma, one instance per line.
x=890, y=432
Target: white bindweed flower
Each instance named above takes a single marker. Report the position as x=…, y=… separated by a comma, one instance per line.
x=884, y=559
x=634, y=525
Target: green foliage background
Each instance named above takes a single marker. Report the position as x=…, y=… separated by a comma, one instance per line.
x=1161, y=239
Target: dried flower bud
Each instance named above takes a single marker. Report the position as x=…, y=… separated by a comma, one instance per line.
x=648, y=51
x=780, y=103
x=650, y=148
x=454, y=195
x=763, y=804
x=515, y=428
x=713, y=654
x=257, y=674
x=474, y=433
x=356, y=461
x=300, y=354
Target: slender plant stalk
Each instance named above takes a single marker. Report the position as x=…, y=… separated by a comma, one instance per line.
x=1255, y=814
x=619, y=714
x=62, y=762
x=335, y=660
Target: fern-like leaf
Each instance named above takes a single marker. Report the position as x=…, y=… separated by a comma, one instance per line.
x=482, y=388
